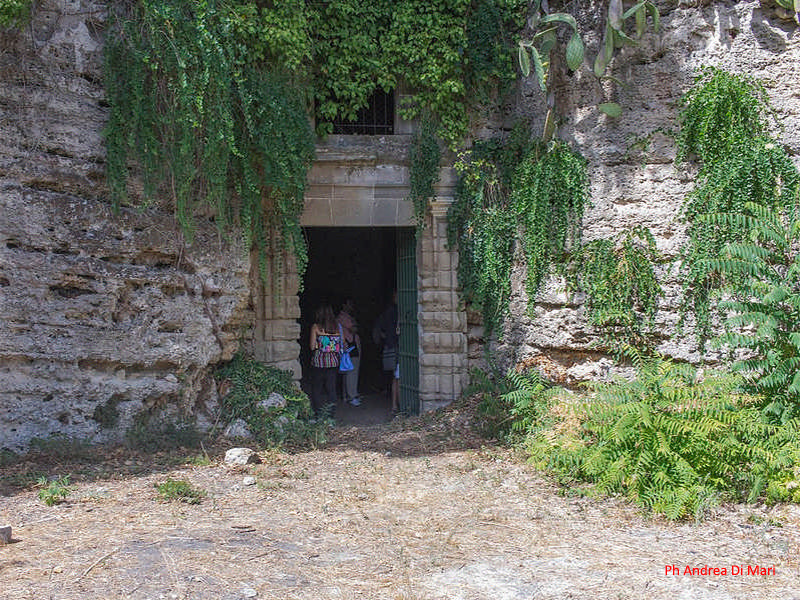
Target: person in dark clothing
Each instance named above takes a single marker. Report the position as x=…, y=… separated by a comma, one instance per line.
x=386, y=334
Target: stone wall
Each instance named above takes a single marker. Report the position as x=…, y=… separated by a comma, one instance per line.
x=632, y=187
x=104, y=318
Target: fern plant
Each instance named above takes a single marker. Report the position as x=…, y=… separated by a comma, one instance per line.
x=673, y=441
x=762, y=276
x=724, y=124
x=512, y=404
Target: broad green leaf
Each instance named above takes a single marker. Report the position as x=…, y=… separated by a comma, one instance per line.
x=575, y=52
x=549, y=126
x=539, y=68
x=608, y=44
x=612, y=109
x=641, y=22
x=548, y=42
x=562, y=18
x=621, y=38
x=524, y=61
x=600, y=65
x=653, y=10
x=615, y=14
x=633, y=9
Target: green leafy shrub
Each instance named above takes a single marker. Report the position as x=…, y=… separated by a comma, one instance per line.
x=762, y=278
x=55, y=491
x=622, y=291
x=252, y=383
x=179, y=490
x=672, y=441
x=724, y=125
x=514, y=190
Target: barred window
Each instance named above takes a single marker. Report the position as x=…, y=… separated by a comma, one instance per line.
x=376, y=118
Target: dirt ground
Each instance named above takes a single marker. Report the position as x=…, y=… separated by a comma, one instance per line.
x=414, y=509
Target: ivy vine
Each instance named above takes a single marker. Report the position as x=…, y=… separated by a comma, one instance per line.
x=724, y=127
x=210, y=101
x=424, y=158
x=210, y=125
x=622, y=291
x=14, y=13
x=551, y=189
x=517, y=190
x=449, y=56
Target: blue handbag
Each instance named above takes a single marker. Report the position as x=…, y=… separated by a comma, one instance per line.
x=345, y=363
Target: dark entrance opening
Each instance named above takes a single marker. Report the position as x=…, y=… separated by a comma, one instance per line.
x=358, y=263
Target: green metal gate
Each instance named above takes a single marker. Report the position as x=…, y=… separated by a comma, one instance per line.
x=407, y=319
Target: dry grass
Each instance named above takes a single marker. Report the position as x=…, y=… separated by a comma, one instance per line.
x=416, y=509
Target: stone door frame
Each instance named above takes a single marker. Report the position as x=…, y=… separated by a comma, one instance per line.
x=363, y=181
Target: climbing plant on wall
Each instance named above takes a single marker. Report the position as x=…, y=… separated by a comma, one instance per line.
x=210, y=101
x=14, y=12
x=724, y=128
x=521, y=191
x=622, y=291
x=208, y=123
x=424, y=158
x=447, y=54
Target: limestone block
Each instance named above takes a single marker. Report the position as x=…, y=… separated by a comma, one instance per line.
x=443, y=343
x=241, y=456
x=443, y=321
x=438, y=300
x=279, y=351
x=443, y=361
x=429, y=384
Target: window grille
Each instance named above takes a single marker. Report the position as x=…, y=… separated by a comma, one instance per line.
x=376, y=118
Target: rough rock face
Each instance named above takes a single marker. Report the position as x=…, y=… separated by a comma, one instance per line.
x=633, y=187
x=106, y=319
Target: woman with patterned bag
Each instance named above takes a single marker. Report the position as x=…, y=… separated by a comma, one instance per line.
x=326, y=349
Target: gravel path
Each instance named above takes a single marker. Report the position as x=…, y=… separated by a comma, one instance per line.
x=381, y=513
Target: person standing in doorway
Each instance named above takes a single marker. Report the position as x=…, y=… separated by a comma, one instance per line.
x=326, y=349
x=386, y=334
x=351, y=339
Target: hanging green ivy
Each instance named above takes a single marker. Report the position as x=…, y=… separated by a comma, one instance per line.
x=210, y=125
x=520, y=190
x=551, y=189
x=210, y=101
x=449, y=56
x=424, y=158
x=724, y=127
x=622, y=291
